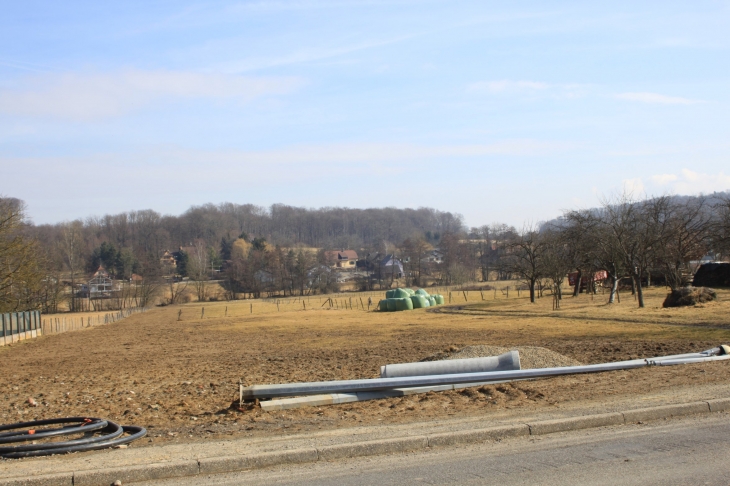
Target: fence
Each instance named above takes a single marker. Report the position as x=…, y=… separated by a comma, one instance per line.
x=55, y=325
x=17, y=326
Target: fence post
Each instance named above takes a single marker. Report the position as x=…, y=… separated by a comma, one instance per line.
x=2, y=317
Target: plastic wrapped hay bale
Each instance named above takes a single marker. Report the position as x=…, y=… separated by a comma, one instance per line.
x=383, y=305
x=422, y=292
x=419, y=301
x=432, y=300
x=401, y=294
x=403, y=304
x=439, y=299
x=391, y=304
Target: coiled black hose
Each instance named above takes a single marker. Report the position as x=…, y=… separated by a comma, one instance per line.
x=97, y=434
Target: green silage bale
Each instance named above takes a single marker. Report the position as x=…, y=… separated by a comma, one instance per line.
x=389, y=294
x=403, y=304
x=410, y=291
x=432, y=300
x=383, y=305
x=422, y=292
x=400, y=294
x=419, y=301
x=391, y=304
x=439, y=299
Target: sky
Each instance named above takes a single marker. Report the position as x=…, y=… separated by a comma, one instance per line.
x=500, y=111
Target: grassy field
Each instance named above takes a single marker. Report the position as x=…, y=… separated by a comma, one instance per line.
x=177, y=369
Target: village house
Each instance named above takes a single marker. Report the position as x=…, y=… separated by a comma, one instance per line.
x=341, y=259
x=101, y=285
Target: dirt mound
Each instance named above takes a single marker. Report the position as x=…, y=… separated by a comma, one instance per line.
x=713, y=275
x=531, y=357
x=689, y=296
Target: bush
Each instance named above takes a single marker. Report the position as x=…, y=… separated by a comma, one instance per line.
x=689, y=296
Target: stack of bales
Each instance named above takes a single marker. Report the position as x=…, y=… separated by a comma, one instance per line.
x=408, y=299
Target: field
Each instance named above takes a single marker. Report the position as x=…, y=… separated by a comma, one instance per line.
x=176, y=369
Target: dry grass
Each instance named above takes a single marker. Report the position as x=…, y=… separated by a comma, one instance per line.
x=180, y=369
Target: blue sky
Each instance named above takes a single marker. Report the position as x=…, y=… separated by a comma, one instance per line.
x=500, y=111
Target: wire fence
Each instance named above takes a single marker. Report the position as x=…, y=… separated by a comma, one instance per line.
x=59, y=324
x=354, y=301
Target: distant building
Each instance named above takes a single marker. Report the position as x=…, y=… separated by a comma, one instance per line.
x=343, y=259
x=435, y=256
x=167, y=260
x=391, y=267
x=101, y=284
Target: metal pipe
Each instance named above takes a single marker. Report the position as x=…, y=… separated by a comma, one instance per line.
x=672, y=362
x=354, y=386
x=504, y=362
x=376, y=384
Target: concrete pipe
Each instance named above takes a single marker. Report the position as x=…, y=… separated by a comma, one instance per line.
x=504, y=362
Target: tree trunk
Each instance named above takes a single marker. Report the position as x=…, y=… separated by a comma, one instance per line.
x=639, y=290
x=532, y=291
x=576, y=287
x=614, y=288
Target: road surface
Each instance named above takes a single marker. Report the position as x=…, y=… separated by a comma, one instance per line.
x=687, y=451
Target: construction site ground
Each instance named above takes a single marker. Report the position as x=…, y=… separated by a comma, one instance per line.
x=179, y=378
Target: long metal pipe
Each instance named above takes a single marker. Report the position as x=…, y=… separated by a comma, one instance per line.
x=355, y=386
x=504, y=362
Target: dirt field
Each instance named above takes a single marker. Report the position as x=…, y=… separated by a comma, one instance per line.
x=179, y=378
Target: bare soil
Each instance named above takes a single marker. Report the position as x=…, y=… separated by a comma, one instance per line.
x=180, y=378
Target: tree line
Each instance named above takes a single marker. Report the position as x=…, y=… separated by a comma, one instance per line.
x=259, y=251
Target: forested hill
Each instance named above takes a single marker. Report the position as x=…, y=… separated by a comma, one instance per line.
x=147, y=233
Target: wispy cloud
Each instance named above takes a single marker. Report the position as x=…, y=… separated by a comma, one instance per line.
x=506, y=85
x=94, y=96
x=295, y=163
x=656, y=98
x=527, y=88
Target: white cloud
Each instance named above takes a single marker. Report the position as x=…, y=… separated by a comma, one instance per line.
x=634, y=186
x=93, y=96
x=657, y=99
x=663, y=179
x=691, y=182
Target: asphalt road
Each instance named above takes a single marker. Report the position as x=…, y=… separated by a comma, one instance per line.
x=688, y=451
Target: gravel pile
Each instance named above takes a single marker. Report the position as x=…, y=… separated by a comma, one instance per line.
x=530, y=356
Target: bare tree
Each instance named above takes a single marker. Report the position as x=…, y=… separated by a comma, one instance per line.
x=720, y=228
x=71, y=248
x=601, y=250
x=685, y=235
x=524, y=256
x=20, y=273
x=198, y=267
x=557, y=261
x=415, y=252
x=635, y=234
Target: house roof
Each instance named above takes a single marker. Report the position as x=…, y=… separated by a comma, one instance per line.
x=341, y=255
x=100, y=272
x=390, y=260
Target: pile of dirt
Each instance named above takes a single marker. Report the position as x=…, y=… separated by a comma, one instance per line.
x=531, y=357
x=713, y=275
x=689, y=296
